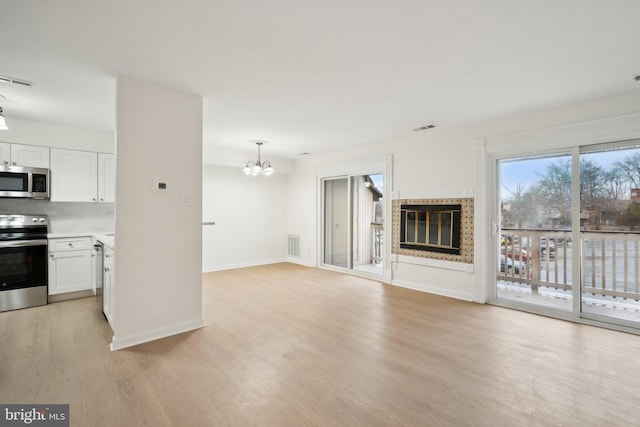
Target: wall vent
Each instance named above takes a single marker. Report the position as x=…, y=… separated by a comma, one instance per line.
x=421, y=128
x=15, y=81
x=293, y=246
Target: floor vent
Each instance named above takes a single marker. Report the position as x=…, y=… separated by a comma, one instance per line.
x=293, y=247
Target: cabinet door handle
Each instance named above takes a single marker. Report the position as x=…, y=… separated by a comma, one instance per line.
x=13, y=163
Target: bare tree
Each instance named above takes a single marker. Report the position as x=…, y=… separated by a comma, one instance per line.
x=591, y=184
x=521, y=212
x=630, y=166
x=615, y=184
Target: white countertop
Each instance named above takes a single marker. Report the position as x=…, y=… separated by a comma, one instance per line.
x=106, y=238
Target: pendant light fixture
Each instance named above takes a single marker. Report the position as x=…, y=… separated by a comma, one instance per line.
x=3, y=123
x=258, y=167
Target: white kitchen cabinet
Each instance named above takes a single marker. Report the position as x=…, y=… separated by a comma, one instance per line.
x=108, y=289
x=29, y=155
x=106, y=177
x=69, y=265
x=5, y=153
x=24, y=155
x=74, y=176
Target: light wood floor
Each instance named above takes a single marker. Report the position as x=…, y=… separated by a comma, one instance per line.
x=293, y=346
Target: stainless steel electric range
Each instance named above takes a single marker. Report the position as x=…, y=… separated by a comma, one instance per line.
x=23, y=261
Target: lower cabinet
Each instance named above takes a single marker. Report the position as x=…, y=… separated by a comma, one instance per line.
x=107, y=284
x=69, y=265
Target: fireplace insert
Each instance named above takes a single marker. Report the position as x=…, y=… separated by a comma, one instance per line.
x=432, y=228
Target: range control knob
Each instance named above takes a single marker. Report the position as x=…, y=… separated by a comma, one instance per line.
x=42, y=220
x=34, y=219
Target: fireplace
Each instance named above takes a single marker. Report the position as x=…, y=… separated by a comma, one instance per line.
x=434, y=228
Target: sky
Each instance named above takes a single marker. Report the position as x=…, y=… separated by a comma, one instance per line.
x=527, y=171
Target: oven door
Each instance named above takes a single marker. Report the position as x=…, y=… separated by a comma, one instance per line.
x=23, y=264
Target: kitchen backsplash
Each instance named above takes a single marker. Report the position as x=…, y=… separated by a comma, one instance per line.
x=65, y=217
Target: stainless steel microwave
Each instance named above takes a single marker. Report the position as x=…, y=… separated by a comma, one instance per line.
x=19, y=181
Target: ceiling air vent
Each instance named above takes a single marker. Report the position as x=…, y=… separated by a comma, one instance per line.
x=21, y=82
x=423, y=128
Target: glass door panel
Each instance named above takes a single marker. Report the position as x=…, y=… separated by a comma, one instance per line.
x=353, y=223
x=534, y=255
x=609, y=229
x=336, y=222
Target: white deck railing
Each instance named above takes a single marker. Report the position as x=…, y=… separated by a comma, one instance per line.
x=610, y=261
x=376, y=242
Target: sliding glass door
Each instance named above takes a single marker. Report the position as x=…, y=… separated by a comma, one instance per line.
x=534, y=253
x=336, y=222
x=610, y=232
x=569, y=235
x=352, y=223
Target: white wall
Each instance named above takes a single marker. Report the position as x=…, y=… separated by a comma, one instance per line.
x=50, y=135
x=158, y=275
x=439, y=163
x=249, y=214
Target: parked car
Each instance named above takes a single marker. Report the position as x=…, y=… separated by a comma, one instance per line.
x=547, y=246
x=514, y=252
x=508, y=265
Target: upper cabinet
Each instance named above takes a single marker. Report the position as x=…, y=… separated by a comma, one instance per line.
x=82, y=176
x=106, y=177
x=5, y=153
x=74, y=176
x=24, y=155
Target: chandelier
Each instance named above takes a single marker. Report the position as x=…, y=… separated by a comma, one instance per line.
x=258, y=167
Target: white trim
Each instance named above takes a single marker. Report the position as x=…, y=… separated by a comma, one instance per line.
x=465, y=296
x=379, y=164
x=354, y=167
x=355, y=272
x=246, y=264
x=610, y=129
x=300, y=262
x=440, y=193
x=437, y=263
x=484, y=178
x=154, y=334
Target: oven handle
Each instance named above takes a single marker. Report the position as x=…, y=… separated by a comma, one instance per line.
x=22, y=243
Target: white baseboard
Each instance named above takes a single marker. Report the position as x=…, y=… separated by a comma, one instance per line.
x=465, y=296
x=120, y=343
x=300, y=262
x=243, y=265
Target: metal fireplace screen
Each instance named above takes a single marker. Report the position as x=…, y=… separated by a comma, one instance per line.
x=434, y=228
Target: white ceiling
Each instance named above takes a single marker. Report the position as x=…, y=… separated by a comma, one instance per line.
x=317, y=76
